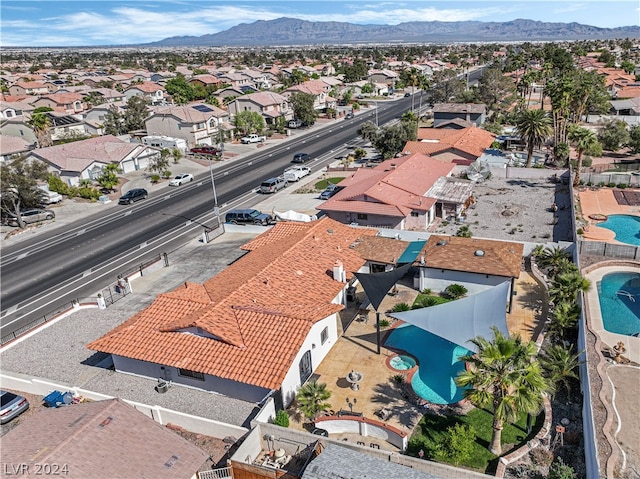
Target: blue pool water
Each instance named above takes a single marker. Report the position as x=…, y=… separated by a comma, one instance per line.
x=626, y=228
x=438, y=363
x=620, y=311
x=402, y=362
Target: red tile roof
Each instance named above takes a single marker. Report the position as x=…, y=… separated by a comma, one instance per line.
x=253, y=316
x=470, y=140
x=393, y=188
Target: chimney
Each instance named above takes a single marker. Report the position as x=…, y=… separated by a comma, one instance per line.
x=338, y=271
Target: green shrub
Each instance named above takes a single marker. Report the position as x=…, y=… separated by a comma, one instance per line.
x=611, y=184
x=166, y=174
x=155, y=178
x=400, y=307
x=88, y=193
x=398, y=378
x=281, y=419
x=385, y=323
x=426, y=291
x=580, y=231
x=601, y=184
x=622, y=186
x=464, y=232
x=559, y=470
x=455, y=291
x=457, y=444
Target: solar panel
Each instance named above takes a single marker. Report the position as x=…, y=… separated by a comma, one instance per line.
x=202, y=108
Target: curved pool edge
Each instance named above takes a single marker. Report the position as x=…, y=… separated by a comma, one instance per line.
x=614, y=237
x=593, y=314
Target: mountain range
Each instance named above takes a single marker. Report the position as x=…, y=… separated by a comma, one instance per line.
x=292, y=31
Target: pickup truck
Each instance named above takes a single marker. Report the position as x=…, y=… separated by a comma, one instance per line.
x=253, y=139
x=296, y=172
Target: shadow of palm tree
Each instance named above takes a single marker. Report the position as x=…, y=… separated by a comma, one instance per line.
x=389, y=397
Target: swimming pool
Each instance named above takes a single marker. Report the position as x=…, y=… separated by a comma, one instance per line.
x=626, y=228
x=438, y=363
x=619, y=295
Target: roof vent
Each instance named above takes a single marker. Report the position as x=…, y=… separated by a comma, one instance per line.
x=441, y=243
x=479, y=252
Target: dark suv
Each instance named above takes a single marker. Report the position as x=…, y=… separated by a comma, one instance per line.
x=133, y=195
x=249, y=216
x=301, y=158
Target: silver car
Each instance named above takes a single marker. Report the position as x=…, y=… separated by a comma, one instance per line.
x=31, y=216
x=12, y=406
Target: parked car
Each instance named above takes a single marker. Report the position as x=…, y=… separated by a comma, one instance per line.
x=248, y=216
x=11, y=405
x=253, y=139
x=301, y=158
x=407, y=95
x=30, y=216
x=295, y=124
x=133, y=195
x=329, y=191
x=273, y=185
x=349, y=116
x=180, y=179
x=320, y=432
x=205, y=150
x=295, y=173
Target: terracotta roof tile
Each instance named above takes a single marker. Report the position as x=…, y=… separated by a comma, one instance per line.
x=253, y=316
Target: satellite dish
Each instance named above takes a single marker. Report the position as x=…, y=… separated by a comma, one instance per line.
x=478, y=171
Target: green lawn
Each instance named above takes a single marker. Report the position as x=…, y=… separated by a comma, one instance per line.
x=432, y=427
x=322, y=184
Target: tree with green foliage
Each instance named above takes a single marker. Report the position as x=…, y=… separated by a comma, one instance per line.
x=464, y=232
x=181, y=91
x=534, y=127
x=113, y=122
x=108, y=178
x=503, y=375
x=457, y=445
x=176, y=154
x=455, y=291
x=584, y=141
x=634, y=139
x=281, y=419
x=566, y=286
x=311, y=399
x=136, y=112
x=93, y=98
x=355, y=71
x=613, y=134
x=19, y=186
x=496, y=90
x=564, y=319
x=159, y=164
x=303, y=107
x=560, y=365
x=628, y=66
x=446, y=86
x=247, y=122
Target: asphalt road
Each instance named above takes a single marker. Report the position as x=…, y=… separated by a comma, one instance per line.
x=43, y=273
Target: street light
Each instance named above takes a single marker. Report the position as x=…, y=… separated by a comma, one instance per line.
x=376, y=104
x=216, y=210
x=350, y=404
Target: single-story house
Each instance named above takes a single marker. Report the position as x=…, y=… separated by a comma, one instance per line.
x=106, y=438
x=259, y=328
x=391, y=195
x=461, y=147
x=85, y=159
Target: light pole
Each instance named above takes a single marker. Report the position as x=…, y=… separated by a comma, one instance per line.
x=216, y=210
x=350, y=404
x=376, y=104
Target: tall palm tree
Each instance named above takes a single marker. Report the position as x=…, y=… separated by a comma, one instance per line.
x=311, y=399
x=40, y=123
x=584, y=141
x=504, y=376
x=566, y=286
x=559, y=365
x=534, y=126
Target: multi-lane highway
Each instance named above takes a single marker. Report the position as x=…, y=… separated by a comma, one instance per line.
x=42, y=273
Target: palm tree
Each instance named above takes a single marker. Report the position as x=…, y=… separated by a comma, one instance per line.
x=503, y=374
x=565, y=286
x=311, y=399
x=564, y=318
x=41, y=123
x=534, y=126
x=584, y=141
x=559, y=365
x=552, y=257
x=424, y=85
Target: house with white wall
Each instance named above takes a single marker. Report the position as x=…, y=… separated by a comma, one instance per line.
x=270, y=106
x=196, y=123
x=150, y=91
x=259, y=328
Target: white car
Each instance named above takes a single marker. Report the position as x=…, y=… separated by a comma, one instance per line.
x=180, y=179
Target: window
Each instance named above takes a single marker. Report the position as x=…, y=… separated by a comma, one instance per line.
x=324, y=335
x=191, y=374
x=415, y=214
x=362, y=216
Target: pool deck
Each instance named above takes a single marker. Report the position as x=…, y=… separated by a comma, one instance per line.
x=601, y=201
x=356, y=350
x=594, y=315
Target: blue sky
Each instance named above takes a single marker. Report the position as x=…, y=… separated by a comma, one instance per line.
x=104, y=22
